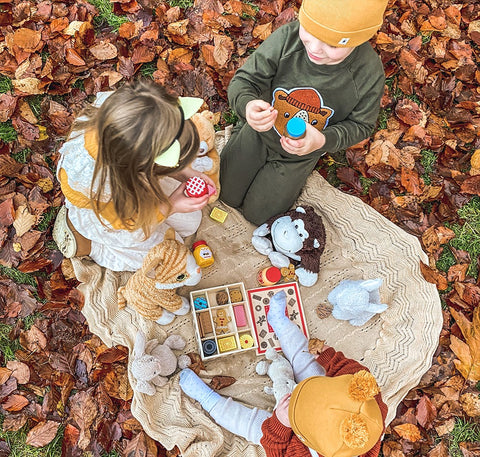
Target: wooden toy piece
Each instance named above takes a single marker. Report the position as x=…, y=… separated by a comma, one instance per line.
x=209, y=347
x=221, y=297
x=204, y=324
x=288, y=273
x=218, y=215
x=200, y=303
x=269, y=276
x=246, y=341
x=235, y=295
x=240, y=316
x=196, y=187
x=221, y=320
x=227, y=343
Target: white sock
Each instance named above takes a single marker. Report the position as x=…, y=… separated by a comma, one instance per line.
x=276, y=314
x=239, y=419
x=195, y=388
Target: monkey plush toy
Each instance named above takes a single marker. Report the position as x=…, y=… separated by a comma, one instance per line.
x=297, y=234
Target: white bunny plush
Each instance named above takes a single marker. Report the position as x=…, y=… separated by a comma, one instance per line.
x=153, y=362
x=356, y=301
x=280, y=372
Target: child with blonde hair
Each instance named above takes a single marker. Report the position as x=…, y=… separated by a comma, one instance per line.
x=123, y=173
x=336, y=409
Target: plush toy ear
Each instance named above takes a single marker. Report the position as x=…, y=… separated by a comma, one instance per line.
x=300, y=209
x=316, y=244
x=140, y=343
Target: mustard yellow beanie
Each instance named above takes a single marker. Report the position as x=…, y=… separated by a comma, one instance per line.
x=342, y=23
x=337, y=416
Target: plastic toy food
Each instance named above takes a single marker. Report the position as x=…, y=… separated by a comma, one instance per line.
x=196, y=187
x=202, y=253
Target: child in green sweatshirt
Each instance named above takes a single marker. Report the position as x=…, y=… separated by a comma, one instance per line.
x=321, y=69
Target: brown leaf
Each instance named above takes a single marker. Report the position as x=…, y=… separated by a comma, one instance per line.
x=23, y=220
x=440, y=450
x=223, y=49
x=74, y=58
x=411, y=181
x=20, y=371
x=42, y=434
x=315, y=346
x=197, y=363
x=434, y=276
x=141, y=446
x=14, y=422
x=457, y=272
x=409, y=432
x=83, y=411
x=471, y=404
x=28, y=86
x=471, y=185
x=34, y=340
x=426, y=412
x=116, y=383
x=7, y=106
x=7, y=211
x=262, y=32
x=468, y=352
x=219, y=382
x=9, y=166
x=104, y=50
x=27, y=39
x=15, y=403
x=180, y=55
x=4, y=375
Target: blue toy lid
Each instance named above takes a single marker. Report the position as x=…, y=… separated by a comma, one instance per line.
x=296, y=127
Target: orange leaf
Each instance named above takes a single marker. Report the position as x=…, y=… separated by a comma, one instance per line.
x=42, y=434
x=315, y=346
x=73, y=57
x=411, y=181
x=27, y=39
x=223, y=49
x=4, y=375
x=141, y=446
x=20, y=371
x=128, y=30
x=59, y=24
x=15, y=403
x=468, y=352
x=433, y=276
x=263, y=31
x=409, y=432
x=457, y=272
x=180, y=55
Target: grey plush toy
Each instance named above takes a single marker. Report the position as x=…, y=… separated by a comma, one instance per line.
x=280, y=372
x=153, y=362
x=356, y=301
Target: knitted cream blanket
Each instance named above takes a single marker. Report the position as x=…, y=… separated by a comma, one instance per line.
x=397, y=345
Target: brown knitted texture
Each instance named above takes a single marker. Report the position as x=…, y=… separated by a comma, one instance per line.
x=163, y=264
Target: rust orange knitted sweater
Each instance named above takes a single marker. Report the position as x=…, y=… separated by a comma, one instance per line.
x=280, y=441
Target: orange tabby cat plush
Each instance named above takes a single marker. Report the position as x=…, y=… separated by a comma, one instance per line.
x=151, y=290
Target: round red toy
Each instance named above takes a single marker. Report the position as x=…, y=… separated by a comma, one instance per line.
x=196, y=187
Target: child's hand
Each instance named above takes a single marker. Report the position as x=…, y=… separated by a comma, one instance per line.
x=185, y=174
x=183, y=204
x=282, y=410
x=313, y=140
x=260, y=115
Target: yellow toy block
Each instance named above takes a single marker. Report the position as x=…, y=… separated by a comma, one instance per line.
x=218, y=215
x=227, y=343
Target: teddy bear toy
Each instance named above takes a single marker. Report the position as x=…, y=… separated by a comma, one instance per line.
x=297, y=234
x=151, y=290
x=208, y=160
x=152, y=362
x=280, y=372
x=356, y=301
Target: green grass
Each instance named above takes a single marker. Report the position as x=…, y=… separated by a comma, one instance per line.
x=426, y=36
x=7, y=133
x=184, y=4
x=47, y=217
x=428, y=160
x=463, y=431
x=111, y=454
x=148, y=69
x=22, y=156
x=106, y=15
x=383, y=117
x=254, y=6
x=446, y=259
x=35, y=102
x=5, y=84
x=79, y=84
x=18, y=447
x=230, y=117
x=467, y=235
x=366, y=183
x=7, y=346
x=17, y=276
